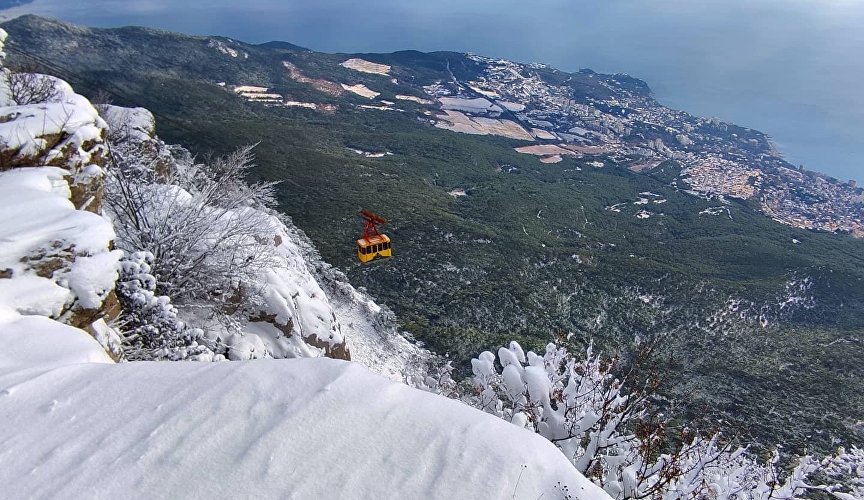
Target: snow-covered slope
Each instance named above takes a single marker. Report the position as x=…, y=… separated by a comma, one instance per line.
x=311, y=428
x=305, y=308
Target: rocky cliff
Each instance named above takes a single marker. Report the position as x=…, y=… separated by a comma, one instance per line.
x=57, y=258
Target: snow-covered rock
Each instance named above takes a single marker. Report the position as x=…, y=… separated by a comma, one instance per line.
x=134, y=123
x=55, y=257
x=64, y=131
x=313, y=428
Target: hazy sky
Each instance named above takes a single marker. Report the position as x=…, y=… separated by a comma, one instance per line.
x=791, y=68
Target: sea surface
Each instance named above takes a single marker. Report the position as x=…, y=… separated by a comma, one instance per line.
x=793, y=69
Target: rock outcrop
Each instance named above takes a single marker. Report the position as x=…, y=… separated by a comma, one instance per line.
x=57, y=258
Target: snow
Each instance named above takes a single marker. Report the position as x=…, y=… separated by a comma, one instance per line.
x=717, y=211
x=364, y=66
x=107, y=337
x=3, y=36
x=298, y=104
x=371, y=154
x=24, y=128
x=92, y=278
x=36, y=209
x=138, y=123
x=379, y=108
x=310, y=428
x=38, y=219
x=538, y=385
x=262, y=96
x=361, y=90
x=293, y=290
x=249, y=89
x=412, y=98
x=34, y=341
x=484, y=92
x=31, y=294
x=271, y=339
x=511, y=106
x=477, y=105
x=225, y=49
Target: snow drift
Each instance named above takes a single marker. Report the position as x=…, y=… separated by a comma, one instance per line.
x=307, y=428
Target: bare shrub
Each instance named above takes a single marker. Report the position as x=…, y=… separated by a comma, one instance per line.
x=30, y=88
x=101, y=100
x=208, y=230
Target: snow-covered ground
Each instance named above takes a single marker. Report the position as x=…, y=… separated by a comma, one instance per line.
x=373, y=339
x=366, y=66
x=361, y=90
x=313, y=428
x=477, y=105
x=412, y=98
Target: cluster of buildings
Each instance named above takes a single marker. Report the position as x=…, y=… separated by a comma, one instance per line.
x=714, y=175
x=617, y=114
x=809, y=200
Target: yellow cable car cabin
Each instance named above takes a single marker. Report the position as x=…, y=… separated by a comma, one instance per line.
x=376, y=246
x=372, y=244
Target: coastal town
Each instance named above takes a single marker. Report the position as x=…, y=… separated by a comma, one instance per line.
x=614, y=118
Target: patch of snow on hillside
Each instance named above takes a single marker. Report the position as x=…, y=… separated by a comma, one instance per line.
x=225, y=49
x=92, y=278
x=298, y=104
x=372, y=335
x=478, y=105
x=243, y=89
x=717, y=211
x=485, y=92
x=361, y=90
x=30, y=294
x=379, y=108
x=364, y=66
x=511, y=106
x=412, y=98
x=371, y=154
